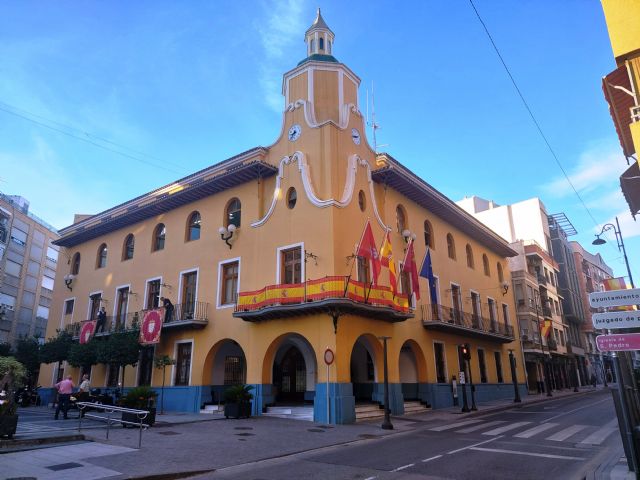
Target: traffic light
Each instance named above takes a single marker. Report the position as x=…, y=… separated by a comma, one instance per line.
x=465, y=349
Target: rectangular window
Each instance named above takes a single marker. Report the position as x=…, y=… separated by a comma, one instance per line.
x=94, y=302
x=498, y=358
x=42, y=312
x=441, y=373
x=153, y=294
x=183, y=364
x=52, y=254
x=364, y=273
x=47, y=283
x=18, y=236
x=188, y=298
x=12, y=268
x=561, y=338
x=229, y=281
x=291, y=265
x=482, y=365
x=7, y=300
x=68, y=306
x=233, y=370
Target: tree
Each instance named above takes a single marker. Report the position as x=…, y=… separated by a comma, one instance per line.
x=11, y=373
x=28, y=354
x=162, y=361
x=56, y=349
x=84, y=354
x=5, y=349
x=120, y=349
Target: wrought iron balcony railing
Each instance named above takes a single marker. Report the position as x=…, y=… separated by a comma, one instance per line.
x=434, y=315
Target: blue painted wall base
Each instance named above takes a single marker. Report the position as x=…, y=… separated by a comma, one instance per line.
x=341, y=402
x=440, y=395
x=396, y=400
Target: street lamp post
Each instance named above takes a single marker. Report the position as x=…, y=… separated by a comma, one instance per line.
x=386, y=424
x=473, y=387
x=625, y=413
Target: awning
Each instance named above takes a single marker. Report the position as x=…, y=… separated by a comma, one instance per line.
x=618, y=93
x=630, y=184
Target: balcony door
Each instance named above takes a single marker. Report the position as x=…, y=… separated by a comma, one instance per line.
x=291, y=265
x=94, y=300
x=121, y=308
x=456, y=304
x=188, y=296
x=475, y=309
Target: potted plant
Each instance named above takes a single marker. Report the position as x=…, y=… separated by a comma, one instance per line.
x=237, y=401
x=11, y=373
x=140, y=398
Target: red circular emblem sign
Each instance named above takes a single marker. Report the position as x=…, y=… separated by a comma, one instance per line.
x=87, y=331
x=151, y=326
x=328, y=356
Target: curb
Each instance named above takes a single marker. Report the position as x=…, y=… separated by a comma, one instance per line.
x=11, y=446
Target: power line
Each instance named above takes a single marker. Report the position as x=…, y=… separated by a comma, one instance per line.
x=87, y=138
x=533, y=118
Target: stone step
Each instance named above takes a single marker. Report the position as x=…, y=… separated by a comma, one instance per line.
x=294, y=413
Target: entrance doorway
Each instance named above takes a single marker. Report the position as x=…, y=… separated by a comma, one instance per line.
x=290, y=376
x=363, y=371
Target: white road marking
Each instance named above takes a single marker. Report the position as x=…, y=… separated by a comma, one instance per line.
x=597, y=437
x=530, y=454
x=474, y=445
x=480, y=427
x=579, y=408
x=511, y=426
x=432, y=458
x=454, y=425
x=535, y=430
x=369, y=478
x=566, y=433
x=403, y=467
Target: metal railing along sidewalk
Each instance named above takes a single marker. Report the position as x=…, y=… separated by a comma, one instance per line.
x=109, y=410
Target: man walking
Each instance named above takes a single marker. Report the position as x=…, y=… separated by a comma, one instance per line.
x=65, y=388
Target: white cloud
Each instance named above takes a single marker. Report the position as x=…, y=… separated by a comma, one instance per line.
x=282, y=27
x=598, y=167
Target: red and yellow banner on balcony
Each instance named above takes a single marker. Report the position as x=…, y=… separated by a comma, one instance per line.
x=322, y=289
x=87, y=330
x=151, y=326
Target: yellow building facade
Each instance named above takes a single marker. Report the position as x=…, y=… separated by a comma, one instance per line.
x=621, y=89
x=257, y=254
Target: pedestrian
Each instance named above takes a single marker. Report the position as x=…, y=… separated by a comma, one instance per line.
x=102, y=319
x=65, y=388
x=593, y=380
x=168, y=309
x=83, y=391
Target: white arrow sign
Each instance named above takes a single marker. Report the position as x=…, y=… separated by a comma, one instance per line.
x=615, y=298
x=613, y=320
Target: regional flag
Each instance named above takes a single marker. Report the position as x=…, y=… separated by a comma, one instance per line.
x=367, y=249
x=426, y=271
x=616, y=284
x=546, y=329
x=87, y=331
x=386, y=259
x=409, y=266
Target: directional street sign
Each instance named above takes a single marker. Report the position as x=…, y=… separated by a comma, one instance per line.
x=620, y=319
x=615, y=298
x=618, y=342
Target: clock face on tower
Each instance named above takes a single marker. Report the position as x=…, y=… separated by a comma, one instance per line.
x=294, y=132
x=355, y=136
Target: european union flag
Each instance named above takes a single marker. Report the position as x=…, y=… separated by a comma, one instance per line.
x=426, y=271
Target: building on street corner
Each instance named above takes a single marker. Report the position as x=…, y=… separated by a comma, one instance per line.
x=259, y=256
x=28, y=262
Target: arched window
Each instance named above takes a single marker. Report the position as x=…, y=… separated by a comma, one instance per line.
x=127, y=249
x=101, y=260
x=500, y=272
x=292, y=197
x=451, y=247
x=401, y=219
x=328, y=47
x=75, y=264
x=485, y=264
x=469, y=256
x=321, y=43
x=428, y=234
x=158, y=237
x=193, y=227
x=313, y=46
x=234, y=209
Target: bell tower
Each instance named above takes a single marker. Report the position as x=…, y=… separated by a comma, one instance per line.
x=326, y=88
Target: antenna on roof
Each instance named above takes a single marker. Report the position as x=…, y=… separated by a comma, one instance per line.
x=372, y=123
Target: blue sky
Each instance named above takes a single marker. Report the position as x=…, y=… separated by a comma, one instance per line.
x=179, y=86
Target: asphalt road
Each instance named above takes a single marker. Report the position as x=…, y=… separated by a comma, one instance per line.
x=562, y=439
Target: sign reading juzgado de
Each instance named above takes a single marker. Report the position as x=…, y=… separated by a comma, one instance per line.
x=613, y=320
x=615, y=298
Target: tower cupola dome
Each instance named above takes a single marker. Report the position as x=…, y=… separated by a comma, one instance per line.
x=319, y=40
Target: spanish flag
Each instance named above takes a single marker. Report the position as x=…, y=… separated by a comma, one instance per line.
x=386, y=259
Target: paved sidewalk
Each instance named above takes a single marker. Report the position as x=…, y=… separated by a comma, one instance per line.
x=187, y=444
